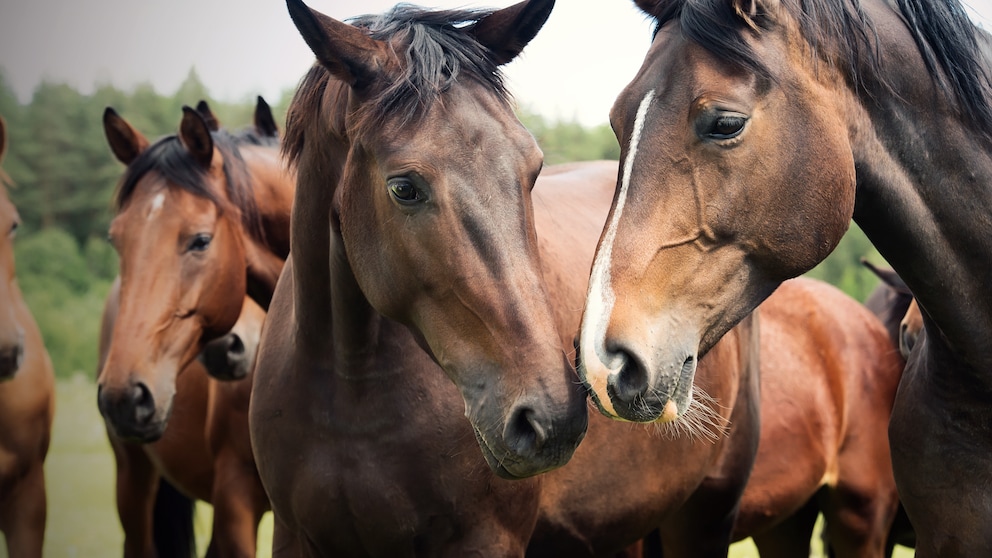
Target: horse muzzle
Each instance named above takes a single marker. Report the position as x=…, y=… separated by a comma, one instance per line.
x=531, y=439
x=633, y=388
x=131, y=412
x=227, y=358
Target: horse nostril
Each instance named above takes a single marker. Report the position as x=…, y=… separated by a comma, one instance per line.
x=630, y=382
x=11, y=359
x=144, y=403
x=524, y=432
x=236, y=346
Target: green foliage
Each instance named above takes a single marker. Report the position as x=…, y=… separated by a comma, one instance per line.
x=51, y=258
x=563, y=142
x=101, y=259
x=65, y=297
x=843, y=267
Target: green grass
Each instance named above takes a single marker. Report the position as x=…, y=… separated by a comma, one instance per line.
x=82, y=515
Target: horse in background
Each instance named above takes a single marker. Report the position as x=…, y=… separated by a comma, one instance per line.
x=829, y=374
x=201, y=224
x=27, y=398
x=723, y=197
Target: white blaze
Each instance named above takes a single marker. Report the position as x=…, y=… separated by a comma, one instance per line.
x=156, y=205
x=601, y=298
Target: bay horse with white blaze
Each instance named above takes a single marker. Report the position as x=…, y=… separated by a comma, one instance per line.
x=753, y=132
x=201, y=223
x=27, y=398
x=428, y=312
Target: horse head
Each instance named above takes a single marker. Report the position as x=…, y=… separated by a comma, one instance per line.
x=11, y=331
x=709, y=216
x=183, y=231
x=406, y=116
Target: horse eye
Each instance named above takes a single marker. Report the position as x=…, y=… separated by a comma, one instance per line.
x=13, y=228
x=726, y=126
x=199, y=243
x=720, y=125
x=403, y=191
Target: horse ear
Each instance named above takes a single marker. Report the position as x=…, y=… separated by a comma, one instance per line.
x=265, y=124
x=652, y=7
x=126, y=142
x=506, y=32
x=194, y=134
x=208, y=115
x=888, y=276
x=346, y=51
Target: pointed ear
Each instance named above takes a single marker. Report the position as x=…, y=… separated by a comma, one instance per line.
x=506, y=32
x=3, y=138
x=265, y=124
x=346, y=51
x=208, y=116
x=652, y=7
x=195, y=137
x=126, y=142
x=888, y=276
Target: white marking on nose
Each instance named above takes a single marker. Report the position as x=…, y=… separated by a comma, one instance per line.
x=601, y=298
x=156, y=205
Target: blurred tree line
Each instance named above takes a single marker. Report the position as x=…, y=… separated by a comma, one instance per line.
x=65, y=177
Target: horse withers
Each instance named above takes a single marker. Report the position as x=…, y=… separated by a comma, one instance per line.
x=201, y=223
x=751, y=135
x=27, y=398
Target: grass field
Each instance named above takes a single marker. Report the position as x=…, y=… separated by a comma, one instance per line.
x=82, y=517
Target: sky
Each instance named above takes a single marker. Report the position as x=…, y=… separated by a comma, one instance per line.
x=574, y=69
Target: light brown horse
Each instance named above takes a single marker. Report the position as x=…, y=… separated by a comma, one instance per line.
x=202, y=222
x=428, y=311
x=27, y=398
x=751, y=135
x=829, y=374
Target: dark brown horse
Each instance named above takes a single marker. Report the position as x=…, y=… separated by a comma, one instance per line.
x=27, y=398
x=753, y=132
x=435, y=276
x=202, y=221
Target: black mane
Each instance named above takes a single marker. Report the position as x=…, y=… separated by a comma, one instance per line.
x=168, y=158
x=944, y=35
x=440, y=49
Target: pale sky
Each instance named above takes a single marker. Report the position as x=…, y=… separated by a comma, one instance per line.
x=584, y=55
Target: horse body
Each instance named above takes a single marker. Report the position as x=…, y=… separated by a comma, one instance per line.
x=27, y=399
x=195, y=241
x=829, y=374
x=758, y=199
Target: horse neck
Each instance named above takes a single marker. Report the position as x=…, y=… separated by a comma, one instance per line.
x=924, y=194
x=273, y=187
x=266, y=250
x=333, y=317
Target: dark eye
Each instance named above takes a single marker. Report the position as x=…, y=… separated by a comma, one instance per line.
x=722, y=125
x=728, y=126
x=13, y=228
x=199, y=243
x=404, y=191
